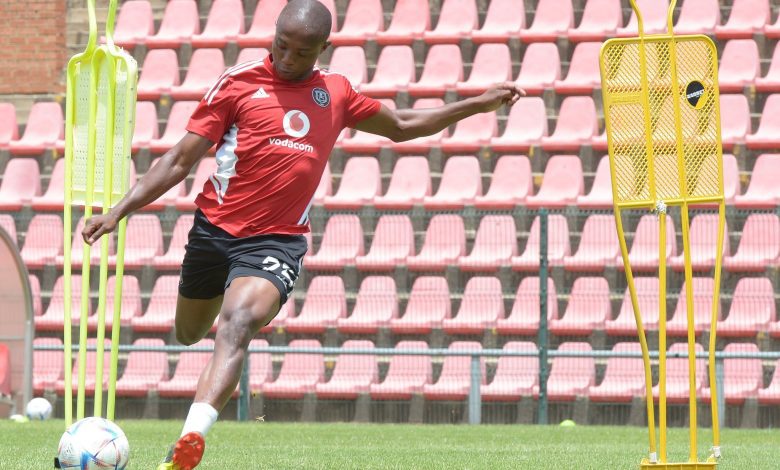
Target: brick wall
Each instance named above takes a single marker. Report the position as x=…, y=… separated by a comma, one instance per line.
x=32, y=33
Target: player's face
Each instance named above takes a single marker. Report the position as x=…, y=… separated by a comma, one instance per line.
x=295, y=54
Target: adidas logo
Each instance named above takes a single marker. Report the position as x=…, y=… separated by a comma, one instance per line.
x=260, y=93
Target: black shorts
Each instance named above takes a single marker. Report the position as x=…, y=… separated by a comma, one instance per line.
x=213, y=258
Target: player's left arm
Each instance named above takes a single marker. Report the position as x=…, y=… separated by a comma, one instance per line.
x=406, y=124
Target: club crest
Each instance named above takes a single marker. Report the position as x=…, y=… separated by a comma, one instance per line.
x=321, y=97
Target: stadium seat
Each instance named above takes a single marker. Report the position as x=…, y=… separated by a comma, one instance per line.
x=588, y=308
x=341, y=243
x=752, y=309
x=21, y=183
x=599, y=246
x=774, y=329
x=654, y=14
x=540, y=68
x=43, y=242
x=410, y=19
x=677, y=380
x=325, y=188
x=702, y=308
x=367, y=143
x=143, y=370
x=742, y=377
x=553, y=18
x=35, y=289
x=511, y=183
x=184, y=381
x=759, y=245
x=471, y=134
x=698, y=17
x=261, y=368
x=624, y=377
x=361, y=23
x=325, y=304
x=454, y=381
x=557, y=244
x=409, y=184
x=443, y=69
x=360, y=183
x=394, y=72
x=766, y=136
x=584, y=75
x=9, y=128
x=263, y=28
x=206, y=167
x=600, y=195
x=492, y=63
x=392, y=243
x=515, y=377
x=146, y=127
x=299, y=374
x=172, y=258
x=763, y=190
x=224, y=24
x=144, y=241
x=251, y=54
x=571, y=377
x=130, y=303
x=523, y=320
x=504, y=20
x=91, y=367
x=770, y=83
x=350, y=61
x=457, y=18
x=525, y=127
x=731, y=184
x=576, y=126
x=482, y=305
x=740, y=65
x=647, y=291
x=428, y=306
x=134, y=24
x=375, y=306
x=562, y=183
x=461, y=182
x=160, y=313
x=445, y=242
x=45, y=125
x=160, y=73
x=9, y=226
x=600, y=19
x=746, y=18
x=494, y=245
x=48, y=365
x=771, y=394
x=406, y=374
x=703, y=239
x=175, y=129
x=735, y=123
x=5, y=372
x=206, y=65
x=353, y=374
x=643, y=255
x=179, y=23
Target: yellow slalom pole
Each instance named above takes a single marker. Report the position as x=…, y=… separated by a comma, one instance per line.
x=662, y=331
x=691, y=332
x=713, y=328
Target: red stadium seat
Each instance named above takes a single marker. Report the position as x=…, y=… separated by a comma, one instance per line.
x=261, y=32
x=525, y=126
x=251, y=54
x=9, y=128
x=188, y=369
x=325, y=188
x=515, y=377
x=134, y=24
x=91, y=368
x=763, y=191
x=504, y=20
x=206, y=168
x=647, y=290
x=511, y=183
x=406, y=374
x=461, y=182
x=144, y=241
x=523, y=320
x=361, y=23
x=772, y=31
x=341, y=243
x=21, y=183
x=774, y=329
x=44, y=241
x=598, y=248
x=698, y=17
x=766, y=136
x=48, y=365
x=740, y=65
x=428, y=306
x=409, y=184
x=392, y=242
x=759, y=245
x=365, y=142
x=175, y=129
x=492, y=63
x=624, y=377
x=494, y=244
x=540, y=68
x=179, y=23
x=654, y=14
x=742, y=377
x=160, y=314
x=471, y=133
x=571, y=377
x=375, y=306
x=360, y=183
x=600, y=195
x=146, y=127
x=45, y=125
x=457, y=18
x=644, y=248
x=206, y=65
x=394, y=72
x=443, y=69
x=5, y=371
x=445, y=242
x=557, y=244
x=746, y=18
x=224, y=24
x=299, y=374
x=588, y=308
x=703, y=239
x=353, y=374
x=752, y=309
x=600, y=19
x=261, y=369
x=576, y=126
x=562, y=184
x=9, y=226
x=770, y=83
x=482, y=306
x=553, y=18
x=454, y=381
x=771, y=394
x=144, y=369
x=350, y=61
x=325, y=304
x=702, y=308
x=734, y=124
x=172, y=258
x=584, y=75
x=160, y=73
x=677, y=379
x=410, y=19
x=130, y=303
x=422, y=145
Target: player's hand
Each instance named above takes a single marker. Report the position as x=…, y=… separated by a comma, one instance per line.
x=500, y=94
x=97, y=226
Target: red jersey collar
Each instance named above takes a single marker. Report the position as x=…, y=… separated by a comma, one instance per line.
x=269, y=66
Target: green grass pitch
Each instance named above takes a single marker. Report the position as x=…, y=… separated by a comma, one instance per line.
x=232, y=445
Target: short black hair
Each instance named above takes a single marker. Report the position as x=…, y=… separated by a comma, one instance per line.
x=308, y=16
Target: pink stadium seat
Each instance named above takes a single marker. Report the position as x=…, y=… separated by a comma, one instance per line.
x=759, y=245
x=576, y=126
x=21, y=183
x=44, y=241
x=553, y=18
x=410, y=19
x=353, y=374
x=481, y=307
x=160, y=73
x=159, y=315
x=511, y=183
x=422, y=145
x=752, y=309
x=225, y=23
x=523, y=320
x=600, y=19
x=643, y=254
x=504, y=20
x=443, y=69
x=571, y=377
x=143, y=242
x=360, y=183
x=654, y=14
x=206, y=65
x=409, y=184
x=300, y=372
x=341, y=243
x=766, y=136
x=206, y=168
x=91, y=368
x=647, y=290
x=146, y=127
x=454, y=381
x=515, y=377
x=763, y=191
x=525, y=127
x=461, y=182
x=172, y=258
x=742, y=377
x=588, y=308
x=770, y=83
x=624, y=377
x=677, y=380
x=746, y=18
x=9, y=128
x=735, y=122
x=5, y=371
x=494, y=244
x=175, y=129
x=375, y=306
x=261, y=369
x=361, y=23
x=600, y=195
x=48, y=365
x=774, y=329
x=584, y=75
x=45, y=125
x=350, y=61
x=250, y=54
x=557, y=244
x=325, y=304
x=188, y=369
x=562, y=183
x=457, y=18
x=492, y=63
x=428, y=306
x=703, y=238
x=263, y=28
x=702, y=308
x=9, y=226
x=698, y=17
x=134, y=24
x=772, y=31
x=740, y=65
x=35, y=290
x=392, y=242
x=366, y=143
x=598, y=248
x=130, y=307
x=325, y=188
x=541, y=67
x=144, y=369
x=394, y=72
x=77, y=248
x=771, y=394
x=445, y=242
x=406, y=374
x=179, y=23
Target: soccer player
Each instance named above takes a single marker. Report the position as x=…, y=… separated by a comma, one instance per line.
x=274, y=122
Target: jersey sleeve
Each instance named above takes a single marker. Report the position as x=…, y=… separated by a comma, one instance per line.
x=358, y=106
x=215, y=112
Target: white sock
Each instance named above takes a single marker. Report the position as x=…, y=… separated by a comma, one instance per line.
x=200, y=419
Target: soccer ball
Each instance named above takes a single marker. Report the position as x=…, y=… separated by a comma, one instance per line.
x=93, y=443
x=38, y=409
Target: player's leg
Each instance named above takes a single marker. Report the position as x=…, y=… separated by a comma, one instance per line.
x=194, y=317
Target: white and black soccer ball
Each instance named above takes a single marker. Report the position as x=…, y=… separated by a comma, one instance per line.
x=92, y=444
x=38, y=409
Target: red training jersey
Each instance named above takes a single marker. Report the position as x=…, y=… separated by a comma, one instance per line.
x=273, y=140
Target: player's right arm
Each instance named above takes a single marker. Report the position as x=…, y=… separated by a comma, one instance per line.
x=172, y=168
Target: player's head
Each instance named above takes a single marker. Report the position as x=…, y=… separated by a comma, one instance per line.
x=302, y=32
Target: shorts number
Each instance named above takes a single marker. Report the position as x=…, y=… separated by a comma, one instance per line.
x=281, y=270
